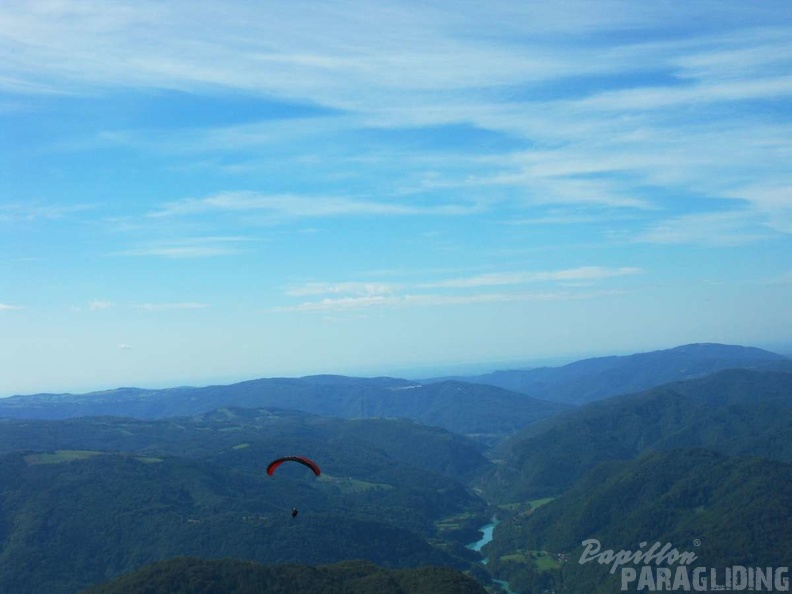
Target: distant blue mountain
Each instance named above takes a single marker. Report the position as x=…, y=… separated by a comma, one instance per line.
x=593, y=379
x=486, y=412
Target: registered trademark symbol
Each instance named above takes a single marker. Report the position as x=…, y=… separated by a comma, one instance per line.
x=696, y=543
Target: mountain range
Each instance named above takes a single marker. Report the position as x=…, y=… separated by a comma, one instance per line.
x=170, y=484
x=489, y=407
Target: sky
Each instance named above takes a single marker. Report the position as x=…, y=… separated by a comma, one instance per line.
x=197, y=192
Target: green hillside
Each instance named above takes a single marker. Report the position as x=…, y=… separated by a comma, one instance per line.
x=231, y=429
x=726, y=510
x=737, y=412
x=228, y=576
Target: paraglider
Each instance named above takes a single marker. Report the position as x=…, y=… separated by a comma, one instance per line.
x=302, y=460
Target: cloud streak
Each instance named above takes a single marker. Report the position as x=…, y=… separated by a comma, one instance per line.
x=99, y=305
x=294, y=206
x=171, y=306
x=361, y=295
x=723, y=229
x=20, y=212
x=188, y=248
x=435, y=300
x=678, y=131
x=6, y=307
x=586, y=273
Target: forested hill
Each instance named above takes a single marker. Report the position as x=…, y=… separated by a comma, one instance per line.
x=594, y=379
x=738, y=412
x=727, y=510
x=227, y=576
x=69, y=519
x=234, y=433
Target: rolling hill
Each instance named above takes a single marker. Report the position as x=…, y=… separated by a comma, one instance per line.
x=487, y=412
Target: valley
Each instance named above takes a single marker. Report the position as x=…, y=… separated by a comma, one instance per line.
x=88, y=498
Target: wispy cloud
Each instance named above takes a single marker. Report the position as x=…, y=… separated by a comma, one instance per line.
x=349, y=288
x=783, y=279
x=193, y=247
x=361, y=295
x=375, y=289
x=428, y=300
x=186, y=45
x=771, y=202
x=558, y=219
x=414, y=66
x=585, y=273
x=170, y=306
x=6, y=307
x=98, y=305
x=19, y=212
x=664, y=98
x=714, y=229
x=301, y=206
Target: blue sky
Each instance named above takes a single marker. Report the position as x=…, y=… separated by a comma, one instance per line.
x=194, y=192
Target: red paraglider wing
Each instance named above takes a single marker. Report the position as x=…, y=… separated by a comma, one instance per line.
x=309, y=463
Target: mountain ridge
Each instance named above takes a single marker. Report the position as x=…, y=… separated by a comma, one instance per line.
x=587, y=380
x=488, y=412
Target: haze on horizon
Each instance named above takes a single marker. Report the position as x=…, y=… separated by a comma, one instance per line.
x=192, y=192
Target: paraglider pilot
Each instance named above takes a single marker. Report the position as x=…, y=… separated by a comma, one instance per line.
x=294, y=512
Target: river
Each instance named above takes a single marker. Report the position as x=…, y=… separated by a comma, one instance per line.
x=486, y=536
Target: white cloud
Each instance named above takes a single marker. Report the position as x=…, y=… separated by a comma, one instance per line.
x=124, y=347
x=6, y=307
